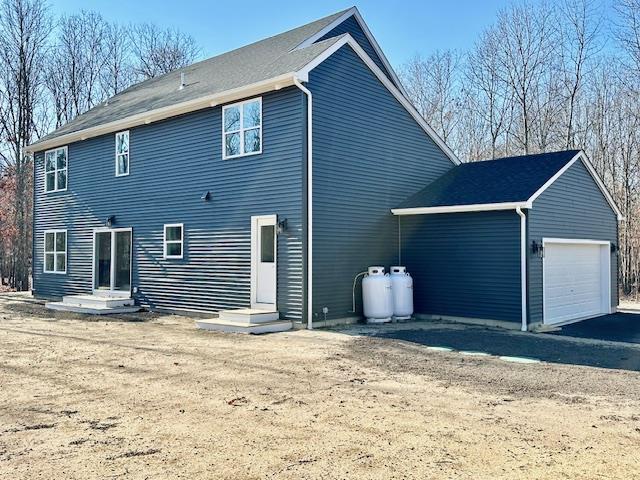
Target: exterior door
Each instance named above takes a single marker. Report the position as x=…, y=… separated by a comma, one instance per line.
x=263, y=262
x=577, y=280
x=112, y=262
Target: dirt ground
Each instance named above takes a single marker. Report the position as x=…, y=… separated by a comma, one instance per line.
x=85, y=398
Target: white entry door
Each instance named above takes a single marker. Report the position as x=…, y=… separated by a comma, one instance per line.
x=263, y=262
x=577, y=280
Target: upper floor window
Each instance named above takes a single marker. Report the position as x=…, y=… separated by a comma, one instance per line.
x=55, y=251
x=55, y=169
x=242, y=128
x=173, y=240
x=122, y=154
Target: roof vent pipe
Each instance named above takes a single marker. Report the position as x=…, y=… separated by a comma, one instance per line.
x=182, y=84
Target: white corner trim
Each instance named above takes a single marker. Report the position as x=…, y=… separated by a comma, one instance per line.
x=523, y=268
x=353, y=11
x=158, y=114
x=477, y=207
x=303, y=75
x=579, y=156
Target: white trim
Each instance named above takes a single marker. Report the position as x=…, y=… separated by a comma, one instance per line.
x=523, y=269
x=309, y=274
x=126, y=153
x=579, y=156
x=271, y=220
x=112, y=274
x=56, y=170
x=476, y=207
x=353, y=11
x=54, y=252
x=605, y=258
x=165, y=241
x=242, y=128
x=158, y=114
x=303, y=75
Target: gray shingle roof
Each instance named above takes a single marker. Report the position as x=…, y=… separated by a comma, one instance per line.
x=505, y=180
x=244, y=66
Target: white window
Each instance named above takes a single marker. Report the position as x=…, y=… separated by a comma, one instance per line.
x=122, y=154
x=55, y=170
x=242, y=128
x=173, y=240
x=55, y=251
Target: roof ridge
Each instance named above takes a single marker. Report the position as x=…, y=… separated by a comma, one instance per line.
x=575, y=151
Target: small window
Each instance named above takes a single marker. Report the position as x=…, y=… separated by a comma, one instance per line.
x=173, y=240
x=55, y=170
x=242, y=128
x=55, y=251
x=122, y=154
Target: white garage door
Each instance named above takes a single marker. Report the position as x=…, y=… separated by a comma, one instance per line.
x=576, y=280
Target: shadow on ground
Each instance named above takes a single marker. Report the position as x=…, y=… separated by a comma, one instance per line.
x=557, y=348
x=38, y=309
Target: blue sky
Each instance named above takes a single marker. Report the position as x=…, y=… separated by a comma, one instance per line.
x=402, y=28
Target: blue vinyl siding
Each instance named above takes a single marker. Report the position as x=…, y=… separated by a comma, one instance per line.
x=172, y=163
x=572, y=207
x=464, y=264
x=352, y=27
x=369, y=154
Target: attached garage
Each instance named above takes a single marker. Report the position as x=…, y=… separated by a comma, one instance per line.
x=518, y=242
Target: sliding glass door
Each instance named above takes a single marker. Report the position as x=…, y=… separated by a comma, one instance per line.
x=112, y=261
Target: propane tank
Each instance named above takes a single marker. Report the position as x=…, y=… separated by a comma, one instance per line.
x=377, y=296
x=402, y=290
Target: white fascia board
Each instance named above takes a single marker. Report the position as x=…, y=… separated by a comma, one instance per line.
x=353, y=11
x=303, y=75
x=158, y=114
x=478, y=207
x=585, y=161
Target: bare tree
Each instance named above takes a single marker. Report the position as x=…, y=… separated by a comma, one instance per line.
x=524, y=39
x=23, y=35
x=579, y=40
x=156, y=51
x=432, y=84
x=117, y=73
x=76, y=64
x=493, y=97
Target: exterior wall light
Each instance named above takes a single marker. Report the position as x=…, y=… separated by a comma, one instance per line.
x=537, y=248
x=111, y=219
x=283, y=226
x=206, y=196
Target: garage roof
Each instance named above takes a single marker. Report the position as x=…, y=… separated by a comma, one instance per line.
x=501, y=184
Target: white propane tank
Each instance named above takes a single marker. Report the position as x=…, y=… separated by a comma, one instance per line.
x=402, y=289
x=377, y=296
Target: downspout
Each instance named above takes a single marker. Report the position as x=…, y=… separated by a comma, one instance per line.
x=307, y=92
x=523, y=266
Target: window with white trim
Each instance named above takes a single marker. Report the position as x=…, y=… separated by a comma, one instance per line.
x=173, y=240
x=242, y=128
x=122, y=153
x=55, y=251
x=55, y=170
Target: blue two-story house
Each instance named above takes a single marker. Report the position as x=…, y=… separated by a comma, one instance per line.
x=257, y=184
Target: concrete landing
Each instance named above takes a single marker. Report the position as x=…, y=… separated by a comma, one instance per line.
x=94, y=305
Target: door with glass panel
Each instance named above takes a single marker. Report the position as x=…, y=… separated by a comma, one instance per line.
x=112, y=261
x=263, y=262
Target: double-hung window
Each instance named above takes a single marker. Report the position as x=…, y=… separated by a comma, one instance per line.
x=55, y=169
x=173, y=240
x=55, y=251
x=122, y=154
x=242, y=128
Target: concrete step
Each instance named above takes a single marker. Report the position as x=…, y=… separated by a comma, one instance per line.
x=91, y=310
x=249, y=315
x=97, y=301
x=226, y=326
